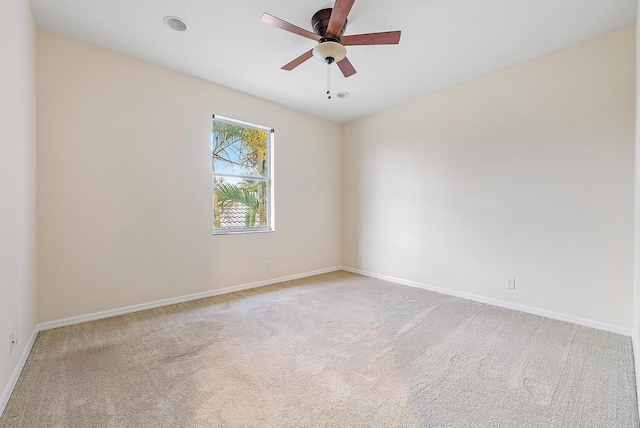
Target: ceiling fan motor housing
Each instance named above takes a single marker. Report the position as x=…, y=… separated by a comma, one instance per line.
x=320, y=22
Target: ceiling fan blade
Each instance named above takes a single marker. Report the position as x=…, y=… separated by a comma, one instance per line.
x=346, y=67
x=296, y=62
x=277, y=22
x=339, y=16
x=384, y=38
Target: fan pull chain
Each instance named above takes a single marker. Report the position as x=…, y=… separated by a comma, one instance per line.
x=329, y=80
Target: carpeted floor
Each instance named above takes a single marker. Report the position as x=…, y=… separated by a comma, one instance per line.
x=335, y=350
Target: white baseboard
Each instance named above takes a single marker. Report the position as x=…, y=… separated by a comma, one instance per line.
x=173, y=300
x=501, y=303
x=6, y=394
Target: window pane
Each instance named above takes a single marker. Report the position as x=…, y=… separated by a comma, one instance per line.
x=238, y=149
x=239, y=203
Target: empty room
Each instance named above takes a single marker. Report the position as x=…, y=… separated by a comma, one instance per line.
x=327, y=213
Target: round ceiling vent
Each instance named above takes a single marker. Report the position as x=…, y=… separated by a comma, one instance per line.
x=175, y=23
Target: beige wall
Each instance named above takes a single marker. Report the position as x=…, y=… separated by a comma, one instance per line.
x=124, y=176
x=524, y=173
x=17, y=182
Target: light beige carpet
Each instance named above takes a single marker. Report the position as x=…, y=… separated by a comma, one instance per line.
x=336, y=350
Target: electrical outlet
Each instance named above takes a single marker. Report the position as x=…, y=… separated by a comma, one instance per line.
x=511, y=284
x=13, y=339
x=360, y=258
x=268, y=264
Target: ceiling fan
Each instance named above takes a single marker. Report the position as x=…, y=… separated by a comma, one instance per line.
x=328, y=28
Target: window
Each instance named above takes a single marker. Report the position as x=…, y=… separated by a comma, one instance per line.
x=241, y=159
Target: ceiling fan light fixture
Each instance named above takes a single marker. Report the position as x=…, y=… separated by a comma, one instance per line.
x=329, y=52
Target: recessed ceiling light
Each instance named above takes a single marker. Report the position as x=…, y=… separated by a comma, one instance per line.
x=175, y=23
x=343, y=95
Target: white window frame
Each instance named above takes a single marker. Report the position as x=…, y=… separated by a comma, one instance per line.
x=268, y=178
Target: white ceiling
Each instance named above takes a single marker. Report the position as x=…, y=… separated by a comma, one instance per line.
x=444, y=42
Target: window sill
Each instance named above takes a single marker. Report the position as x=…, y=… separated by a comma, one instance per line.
x=241, y=231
